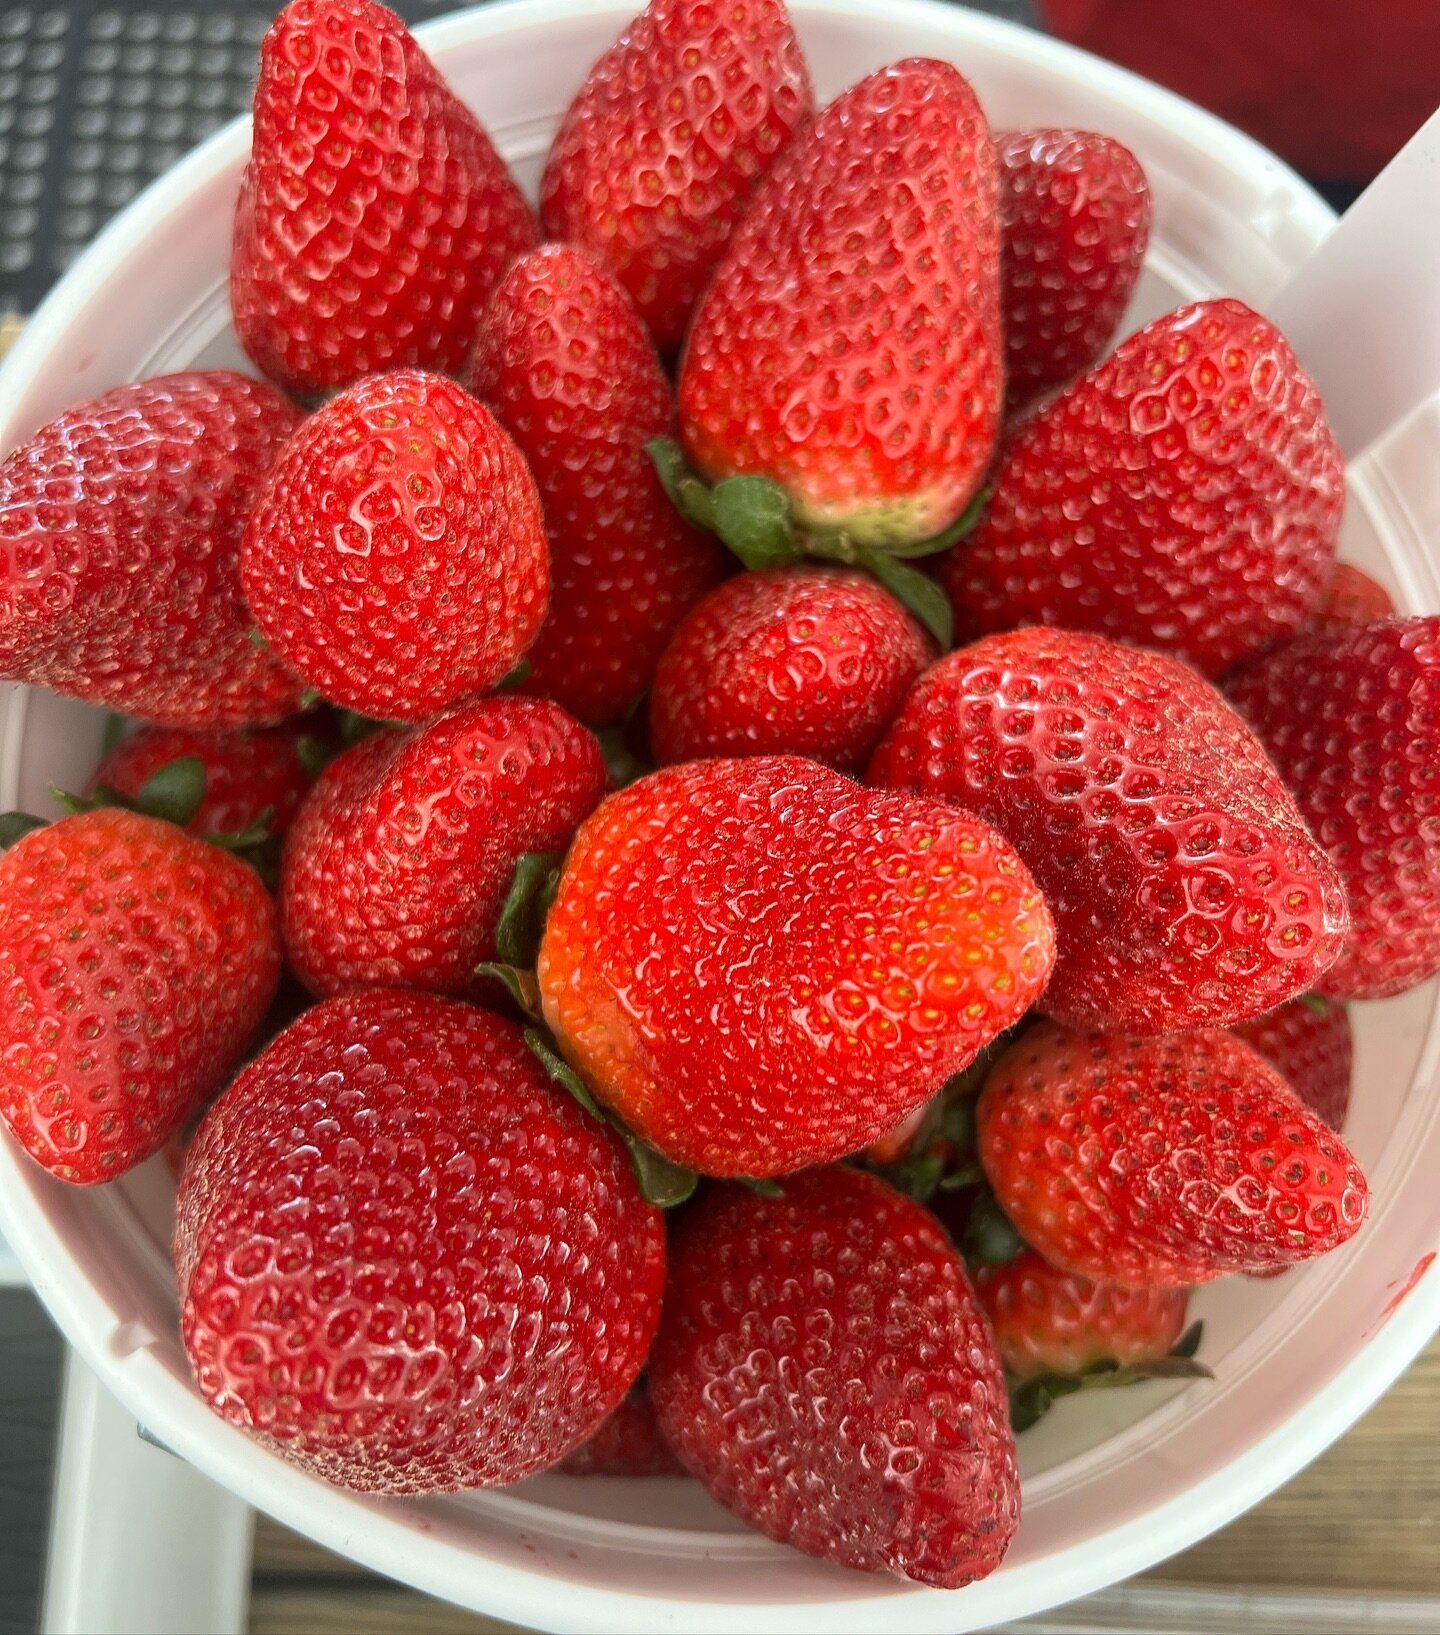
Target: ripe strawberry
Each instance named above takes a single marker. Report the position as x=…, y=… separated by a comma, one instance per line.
x=849, y=345
x=1161, y=1162
x=375, y=216
x=399, y=864
x=1309, y=1043
x=398, y=559
x=137, y=963
x=120, y=527
x=807, y=661
x=1186, y=890
x=759, y=965
x=406, y=1262
x=572, y=375
x=657, y=157
x=1075, y=207
x=1350, y=720
x=823, y=1367
x=1353, y=598
x=1185, y=494
x=627, y=1443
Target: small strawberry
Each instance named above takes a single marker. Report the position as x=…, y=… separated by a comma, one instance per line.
x=759, y=965
x=566, y=363
x=120, y=526
x=1185, y=495
x=657, y=157
x=1308, y=1042
x=398, y=559
x=406, y=1262
x=1160, y=1162
x=399, y=865
x=1075, y=207
x=823, y=1367
x=808, y=660
x=1186, y=889
x=1353, y=598
x=626, y=1443
x=375, y=215
x=1351, y=719
x=138, y=961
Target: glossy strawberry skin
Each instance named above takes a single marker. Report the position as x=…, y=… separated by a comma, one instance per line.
x=375, y=215
x=406, y=1261
x=1353, y=598
x=657, y=157
x=1075, y=208
x=565, y=362
x=120, y=527
x=1186, y=889
x=137, y=964
x=398, y=558
x=1310, y=1045
x=805, y=661
x=1160, y=1162
x=398, y=865
x=849, y=345
x=759, y=965
x=1183, y=495
x=1350, y=720
x=823, y=1367
x=626, y=1443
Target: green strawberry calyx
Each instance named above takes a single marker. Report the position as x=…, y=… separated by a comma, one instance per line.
x=1031, y=1399
x=173, y=794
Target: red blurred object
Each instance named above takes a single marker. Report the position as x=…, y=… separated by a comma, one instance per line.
x=1336, y=88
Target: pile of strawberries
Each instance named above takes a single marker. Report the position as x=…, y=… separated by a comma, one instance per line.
x=596, y=758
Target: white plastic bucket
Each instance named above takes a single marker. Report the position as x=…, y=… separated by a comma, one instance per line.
x=1113, y=1482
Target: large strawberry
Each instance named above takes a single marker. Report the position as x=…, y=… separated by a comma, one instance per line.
x=566, y=363
x=398, y=558
x=406, y=1261
x=1309, y=1043
x=759, y=965
x=137, y=962
x=375, y=215
x=823, y=1367
x=626, y=1443
x=657, y=157
x=1186, y=889
x=1185, y=494
x=1352, y=720
x=120, y=527
x=1162, y=1162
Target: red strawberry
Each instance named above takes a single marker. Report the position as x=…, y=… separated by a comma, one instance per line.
x=120, y=527
x=398, y=557
x=1161, y=1162
x=849, y=345
x=1076, y=212
x=375, y=216
x=1308, y=1042
x=1352, y=720
x=574, y=378
x=400, y=862
x=1185, y=494
x=138, y=962
x=657, y=157
x=406, y=1262
x=627, y=1443
x=823, y=1367
x=759, y=965
x=1186, y=890
x=1353, y=598
x=807, y=660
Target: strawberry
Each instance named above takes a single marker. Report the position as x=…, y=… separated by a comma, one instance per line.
x=1185, y=494
x=1075, y=207
x=759, y=965
x=120, y=526
x=657, y=157
x=1350, y=719
x=1186, y=889
x=1308, y=1042
x=626, y=1443
x=399, y=865
x=138, y=962
x=566, y=363
x=406, y=1262
x=375, y=215
x=398, y=559
x=1161, y=1162
x=823, y=1367
x=808, y=660
x=1353, y=598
